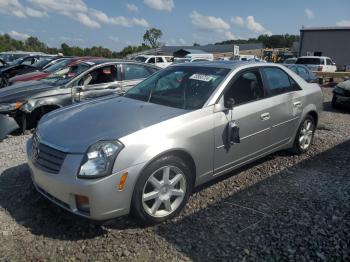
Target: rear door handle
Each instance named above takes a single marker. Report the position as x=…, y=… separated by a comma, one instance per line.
x=297, y=104
x=265, y=116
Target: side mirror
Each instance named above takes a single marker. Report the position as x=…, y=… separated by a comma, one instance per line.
x=229, y=103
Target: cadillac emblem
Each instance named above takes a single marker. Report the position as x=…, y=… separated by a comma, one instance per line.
x=35, y=148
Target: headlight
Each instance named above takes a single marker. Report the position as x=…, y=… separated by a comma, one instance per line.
x=99, y=159
x=10, y=107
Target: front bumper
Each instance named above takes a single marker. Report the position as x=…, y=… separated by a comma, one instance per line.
x=105, y=201
x=342, y=99
x=7, y=125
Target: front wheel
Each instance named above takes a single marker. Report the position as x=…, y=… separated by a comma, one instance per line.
x=305, y=135
x=162, y=190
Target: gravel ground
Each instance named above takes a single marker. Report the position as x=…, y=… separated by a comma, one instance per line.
x=282, y=207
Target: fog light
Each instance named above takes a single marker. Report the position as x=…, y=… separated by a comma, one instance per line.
x=82, y=203
x=122, y=181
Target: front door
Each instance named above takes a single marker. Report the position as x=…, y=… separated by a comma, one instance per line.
x=252, y=115
x=99, y=82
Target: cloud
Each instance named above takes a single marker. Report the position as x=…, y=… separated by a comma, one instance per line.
x=343, y=23
x=162, y=5
x=182, y=41
x=15, y=8
x=79, y=11
x=86, y=20
x=230, y=36
x=238, y=21
x=208, y=23
x=256, y=27
x=309, y=13
x=132, y=8
x=18, y=35
x=250, y=23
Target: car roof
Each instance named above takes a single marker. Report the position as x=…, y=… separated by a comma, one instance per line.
x=313, y=57
x=101, y=61
x=233, y=64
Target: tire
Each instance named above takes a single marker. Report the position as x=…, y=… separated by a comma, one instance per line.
x=302, y=145
x=335, y=103
x=155, y=199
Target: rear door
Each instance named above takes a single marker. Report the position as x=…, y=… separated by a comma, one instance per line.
x=284, y=98
x=98, y=82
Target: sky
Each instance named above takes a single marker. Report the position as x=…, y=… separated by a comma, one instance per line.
x=117, y=23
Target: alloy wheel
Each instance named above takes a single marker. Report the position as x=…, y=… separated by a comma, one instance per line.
x=164, y=191
x=306, y=134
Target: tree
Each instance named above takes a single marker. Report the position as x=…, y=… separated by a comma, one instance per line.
x=152, y=37
x=196, y=44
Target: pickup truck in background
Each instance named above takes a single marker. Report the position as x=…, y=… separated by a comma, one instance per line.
x=317, y=63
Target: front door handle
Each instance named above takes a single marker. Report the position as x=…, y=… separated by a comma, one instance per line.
x=297, y=104
x=265, y=116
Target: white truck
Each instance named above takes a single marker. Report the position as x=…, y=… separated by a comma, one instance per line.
x=160, y=61
x=317, y=63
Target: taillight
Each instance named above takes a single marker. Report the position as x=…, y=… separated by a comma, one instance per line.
x=320, y=68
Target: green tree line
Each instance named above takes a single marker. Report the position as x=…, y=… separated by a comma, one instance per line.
x=273, y=41
x=7, y=43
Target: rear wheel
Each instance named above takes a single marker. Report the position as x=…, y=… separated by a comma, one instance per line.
x=305, y=135
x=162, y=190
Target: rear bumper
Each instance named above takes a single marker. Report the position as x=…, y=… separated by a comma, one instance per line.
x=7, y=125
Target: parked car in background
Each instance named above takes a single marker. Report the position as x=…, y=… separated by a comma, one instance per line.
x=23, y=105
x=25, y=65
x=11, y=56
x=341, y=95
x=144, y=152
x=157, y=60
x=187, y=60
x=317, y=63
x=290, y=61
x=203, y=56
x=51, y=68
x=304, y=72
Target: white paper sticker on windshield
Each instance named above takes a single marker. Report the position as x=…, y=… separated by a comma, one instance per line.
x=200, y=77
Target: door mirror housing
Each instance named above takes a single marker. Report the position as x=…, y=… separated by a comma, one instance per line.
x=229, y=103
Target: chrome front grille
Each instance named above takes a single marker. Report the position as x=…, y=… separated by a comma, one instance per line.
x=46, y=157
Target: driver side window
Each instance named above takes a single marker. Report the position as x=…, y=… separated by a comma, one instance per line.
x=102, y=75
x=246, y=88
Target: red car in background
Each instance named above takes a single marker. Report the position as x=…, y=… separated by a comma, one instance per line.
x=38, y=75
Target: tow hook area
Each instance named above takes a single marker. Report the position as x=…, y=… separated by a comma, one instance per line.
x=7, y=125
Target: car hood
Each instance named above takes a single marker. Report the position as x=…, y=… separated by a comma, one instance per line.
x=73, y=129
x=21, y=91
x=29, y=76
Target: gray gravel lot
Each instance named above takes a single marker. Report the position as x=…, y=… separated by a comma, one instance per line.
x=282, y=207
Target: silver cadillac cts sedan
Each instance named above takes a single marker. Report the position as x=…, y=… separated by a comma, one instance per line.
x=144, y=152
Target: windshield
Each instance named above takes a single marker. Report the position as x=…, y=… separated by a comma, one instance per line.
x=42, y=62
x=179, y=86
x=141, y=59
x=11, y=57
x=308, y=61
x=57, y=66
x=65, y=75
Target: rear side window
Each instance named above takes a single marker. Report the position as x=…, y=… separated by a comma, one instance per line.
x=132, y=72
x=329, y=62
x=278, y=82
x=159, y=60
x=151, y=60
x=246, y=88
x=309, y=61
